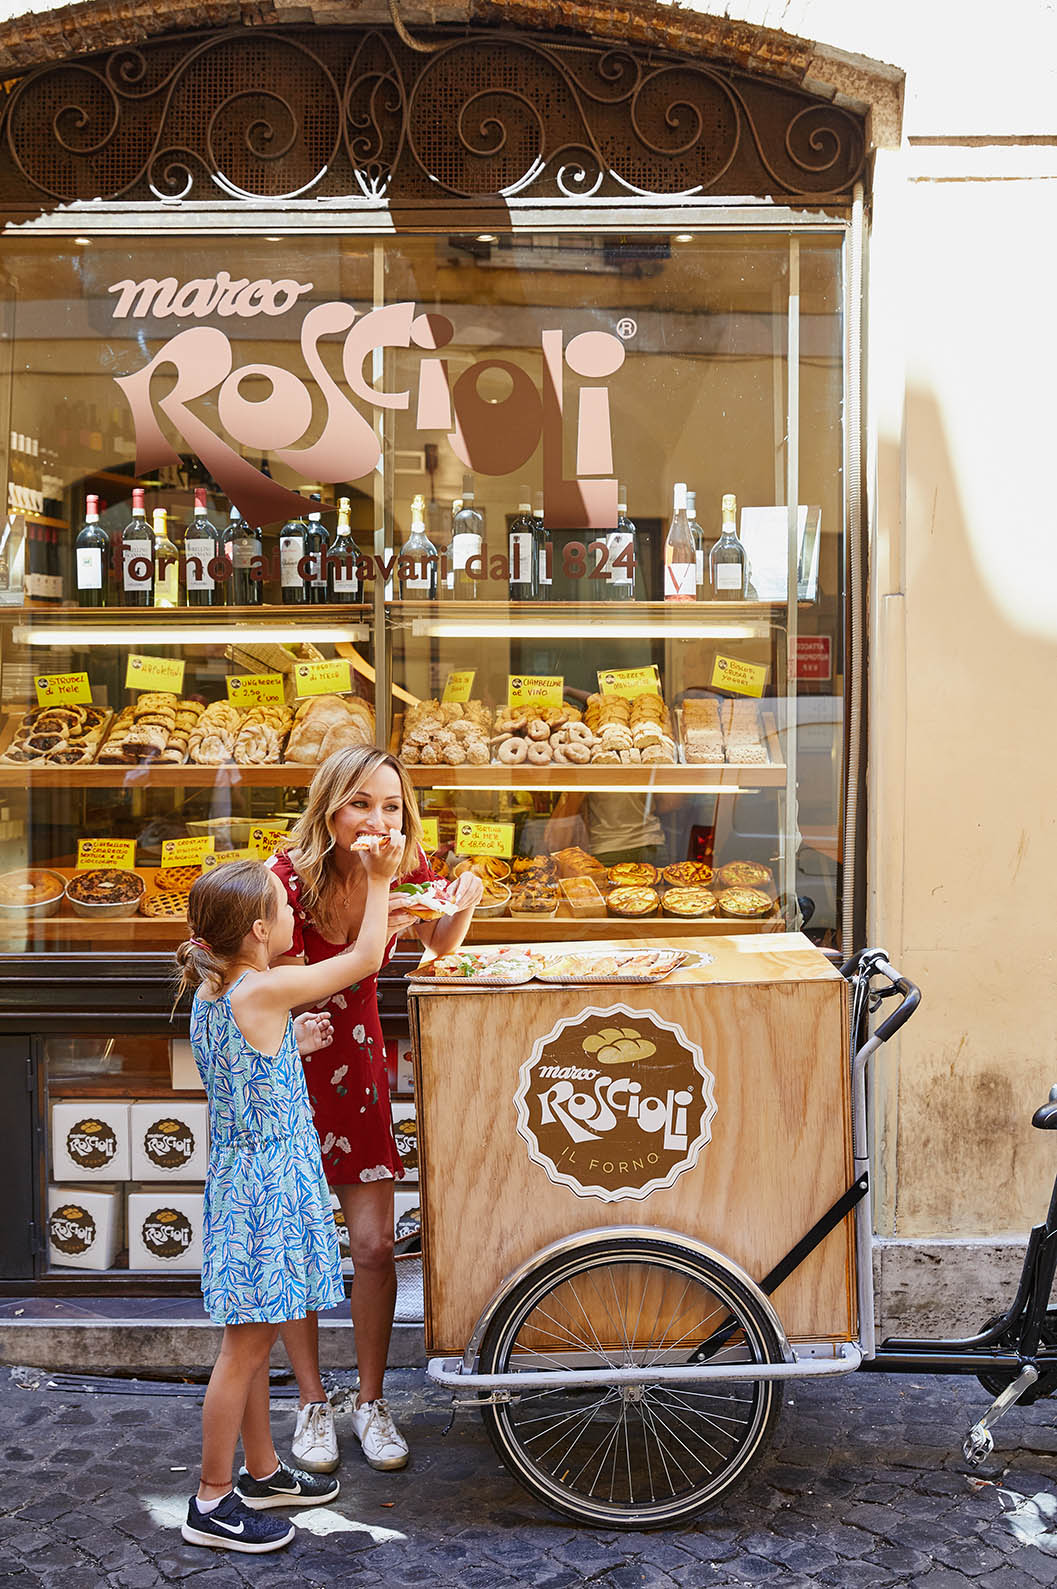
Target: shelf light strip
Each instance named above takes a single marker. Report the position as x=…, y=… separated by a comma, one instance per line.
x=454, y=629
x=171, y=634
x=592, y=788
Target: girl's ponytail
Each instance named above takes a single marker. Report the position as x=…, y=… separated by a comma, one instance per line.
x=196, y=963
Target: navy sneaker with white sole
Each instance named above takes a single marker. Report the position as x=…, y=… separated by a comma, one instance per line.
x=232, y=1526
x=286, y=1487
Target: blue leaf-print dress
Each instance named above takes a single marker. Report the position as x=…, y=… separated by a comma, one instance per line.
x=270, y=1249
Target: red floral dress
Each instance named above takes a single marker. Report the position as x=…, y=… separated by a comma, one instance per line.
x=347, y=1084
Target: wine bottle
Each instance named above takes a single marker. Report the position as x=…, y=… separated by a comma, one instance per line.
x=545, y=552
x=727, y=562
x=317, y=545
x=292, y=581
x=523, y=547
x=467, y=541
x=201, y=550
x=623, y=554
x=438, y=529
x=137, y=556
x=700, y=577
x=418, y=559
x=242, y=544
x=166, y=563
x=343, y=557
x=680, y=572
x=92, y=559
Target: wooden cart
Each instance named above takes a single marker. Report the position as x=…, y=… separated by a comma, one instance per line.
x=615, y=1178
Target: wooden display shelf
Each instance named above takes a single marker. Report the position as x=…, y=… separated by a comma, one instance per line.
x=687, y=779
x=152, y=776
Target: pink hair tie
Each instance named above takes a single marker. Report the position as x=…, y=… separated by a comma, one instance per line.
x=200, y=943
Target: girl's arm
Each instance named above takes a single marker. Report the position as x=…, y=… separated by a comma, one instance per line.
x=443, y=937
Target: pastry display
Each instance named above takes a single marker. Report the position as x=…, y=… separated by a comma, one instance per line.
x=165, y=904
x=633, y=901
x=582, y=895
x=535, y=869
x=683, y=874
x=576, y=862
x=632, y=874
x=717, y=732
x=31, y=891
x=540, y=737
x=744, y=874
x=506, y=965
x=746, y=903
x=326, y=723
x=176, y=879
x=105, y=891
x=488, y=867
x=261, y=735
x=494, y=900
x=212, y=739
x=688, y=902
x=58, y=736
x=630, y=732
x=534, y=899
x=447, y=733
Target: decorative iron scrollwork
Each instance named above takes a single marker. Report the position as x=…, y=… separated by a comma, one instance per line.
x=274, y=113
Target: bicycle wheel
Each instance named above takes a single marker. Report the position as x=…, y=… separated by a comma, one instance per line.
x=634, y=1455
x=995, y=1381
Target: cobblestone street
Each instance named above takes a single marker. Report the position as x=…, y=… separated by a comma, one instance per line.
x=866, y=1487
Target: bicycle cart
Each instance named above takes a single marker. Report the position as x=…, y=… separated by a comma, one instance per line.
x=647, y=1204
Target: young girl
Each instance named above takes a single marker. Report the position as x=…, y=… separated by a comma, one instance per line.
x=270, y=1246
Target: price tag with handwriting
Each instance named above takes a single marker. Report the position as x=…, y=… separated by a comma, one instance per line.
x=629, y=682
x=526, y=690
x=485, y=838
x=741, y=678
x=323, y=678
x=187, y=852
x=225, y=858
x=154, y=673
x=62, y=689
x=265, y=841
x=255, y=689
x=430, y=835
x=457, y=686
x=120, y=853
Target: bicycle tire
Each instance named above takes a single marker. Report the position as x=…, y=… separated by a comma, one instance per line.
x=679, y=1449
x=996, y=1380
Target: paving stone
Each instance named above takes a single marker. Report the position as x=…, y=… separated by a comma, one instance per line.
x=900, y=1559
x=941, y=1578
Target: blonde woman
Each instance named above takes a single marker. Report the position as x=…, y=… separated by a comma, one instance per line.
x=355, y=794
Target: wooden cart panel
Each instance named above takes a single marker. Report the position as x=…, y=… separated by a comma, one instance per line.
x=770, y=1017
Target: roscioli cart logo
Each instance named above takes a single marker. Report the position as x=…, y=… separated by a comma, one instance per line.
x=71, y=1229
x=489, y=436
x=169, y=1144
x=91, y=1144
x=615, y=1103
x=167, y=1233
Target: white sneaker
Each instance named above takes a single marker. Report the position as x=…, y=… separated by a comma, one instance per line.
x=383, y=1444
x=315, y=1442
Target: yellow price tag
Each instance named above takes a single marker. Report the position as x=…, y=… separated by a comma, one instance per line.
x=265, y=841
x=742, y=678
x=62, y=689
x=187, y=852
x=106, y=852
x=430, y=835
x=485, y=838
x=457, y=686
x=323, y=678
x=629, y=682
x=154, y=673
x=225, y=858
x=526, y=690
x=255, y=689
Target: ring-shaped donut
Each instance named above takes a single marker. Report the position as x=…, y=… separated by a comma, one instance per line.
x=578, y=731
x=576, y=751
x=512, y=751
x=538, y=729
x=539, y=754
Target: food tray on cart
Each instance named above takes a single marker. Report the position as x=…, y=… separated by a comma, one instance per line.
x=591, y=967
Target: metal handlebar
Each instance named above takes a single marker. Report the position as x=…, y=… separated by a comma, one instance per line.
x=873, y=962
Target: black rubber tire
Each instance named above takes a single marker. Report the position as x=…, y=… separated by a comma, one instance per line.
x=995, y=1382
x=730, y=1427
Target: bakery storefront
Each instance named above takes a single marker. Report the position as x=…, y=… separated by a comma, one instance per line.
x=488, y=397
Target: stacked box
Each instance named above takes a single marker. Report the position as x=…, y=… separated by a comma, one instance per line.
x=169, y=1141
x=89, y=1140
x=405, y=1134
x=182, y=1068
x=343, y=1236
x=164, y=1229
x=84, y=1226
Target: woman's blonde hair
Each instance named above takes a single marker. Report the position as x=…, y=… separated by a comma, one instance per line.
x=221, y=909
x=334, y=784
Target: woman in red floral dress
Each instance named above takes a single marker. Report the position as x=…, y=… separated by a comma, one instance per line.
x=355, y=793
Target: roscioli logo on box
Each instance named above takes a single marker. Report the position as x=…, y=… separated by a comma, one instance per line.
x=71, y=1229
x=169, y=1144
x=167, y=1233
x=615, y=1103
x=91, y=1144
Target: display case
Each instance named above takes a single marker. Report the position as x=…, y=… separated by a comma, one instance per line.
x=627, y=716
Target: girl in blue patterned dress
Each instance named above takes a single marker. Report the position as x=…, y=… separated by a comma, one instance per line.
x=269, y=1241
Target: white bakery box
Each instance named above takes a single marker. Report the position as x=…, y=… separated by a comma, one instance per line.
x=183, y=1072
x=169, y=1140
x=164, y=1226
x=343, y=1235
x=89, y=1140
x=84, y=1226
x=405, y=1135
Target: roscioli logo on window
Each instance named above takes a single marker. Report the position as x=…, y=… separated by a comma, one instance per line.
x=490, y=437
x=615, y=1103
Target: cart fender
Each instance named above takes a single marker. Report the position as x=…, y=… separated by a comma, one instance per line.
x=587, y=1238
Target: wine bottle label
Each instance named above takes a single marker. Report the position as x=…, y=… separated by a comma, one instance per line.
x=89, y=568
x=167, y=585
x=137, y=566
x=291, y=551
x=199, y=552
x=545, y=562
x=344, y=571
x=728, y=576
x=417, y=583
x=463, y=547
x=617, y=545
x=680, y=581
x=700, y=558
x=521, y=558
x=243, y=552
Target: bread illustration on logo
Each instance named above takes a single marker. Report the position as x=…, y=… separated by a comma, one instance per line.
x=616, y=1045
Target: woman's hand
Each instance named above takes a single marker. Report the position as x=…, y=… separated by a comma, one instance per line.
x=469, y=890
x=312, y=1031
x=400, y=920
x=383, y=859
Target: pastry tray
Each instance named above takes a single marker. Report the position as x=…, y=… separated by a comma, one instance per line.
x=469, y=982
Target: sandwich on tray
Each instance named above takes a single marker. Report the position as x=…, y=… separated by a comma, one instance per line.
x=426, y=901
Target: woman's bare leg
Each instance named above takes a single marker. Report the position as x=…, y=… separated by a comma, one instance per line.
x=243, y=1353
x=301, y=1342
x=368, y=1210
